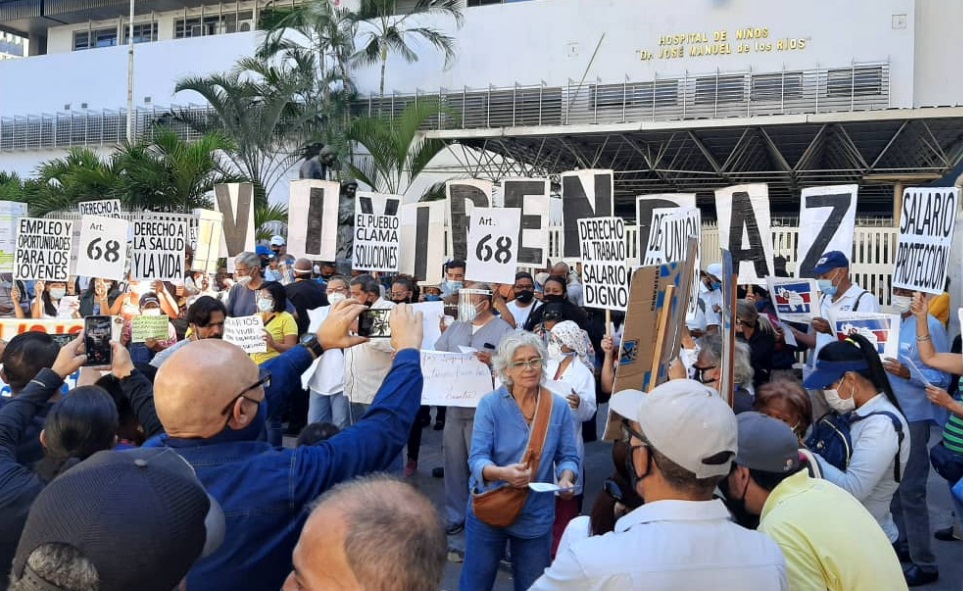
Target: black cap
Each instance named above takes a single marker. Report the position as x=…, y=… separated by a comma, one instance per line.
x=141, y=517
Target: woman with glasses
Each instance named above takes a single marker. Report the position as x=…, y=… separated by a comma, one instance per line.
x=708, y=370
x=757, y=332
x=504, y=422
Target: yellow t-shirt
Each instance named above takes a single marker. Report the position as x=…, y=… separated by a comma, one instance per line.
x=940, y=308
x=280, y=326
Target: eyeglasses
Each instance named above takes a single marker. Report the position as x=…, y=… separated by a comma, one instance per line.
x=535, y=364
x=628, y=433
x=337, y=290
x=701, y=372
x=264, y=381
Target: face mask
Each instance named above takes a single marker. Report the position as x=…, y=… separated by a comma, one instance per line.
x=150, y=312
x=335, y=298
x=737, y=507
x=840, y=405
x=467, y=311
x=555, y=351
x=902, y=304
x=454, y=286
x=430, y=298
x=715, y=285
x=243, y=280
x=265, y=305
x=525, y=297
x=58, y=293
x=554, y=299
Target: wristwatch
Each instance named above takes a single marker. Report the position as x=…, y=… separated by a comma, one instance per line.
x=311, y=344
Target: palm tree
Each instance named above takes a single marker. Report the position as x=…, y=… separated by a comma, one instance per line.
x=81, y=175
x=384, y=31
x=270, y=220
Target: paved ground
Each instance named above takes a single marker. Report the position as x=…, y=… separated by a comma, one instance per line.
x=599, y=465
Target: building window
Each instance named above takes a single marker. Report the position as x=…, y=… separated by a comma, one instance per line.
x=214, y=25
x=143, y=33
x=776, y=87
x=660, y=93
x=720, y=89
x=855, y=82
x=95, y=38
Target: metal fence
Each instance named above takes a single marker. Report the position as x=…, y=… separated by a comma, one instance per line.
x=717, y=95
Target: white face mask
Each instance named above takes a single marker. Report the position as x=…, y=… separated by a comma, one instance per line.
x=58, y=293
x=336, y=298
x=840, y=405
x=243, y=280
x=902, y=304
x=555, y=351
x=265, y=305
x=150, y=312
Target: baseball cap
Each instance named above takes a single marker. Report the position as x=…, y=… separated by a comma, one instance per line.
x=141, y=517
x=263, y=251
x=828, y=373
x=766, y=444
x=686, y=422
x=715, y=269
x=829, y=261
x=147, y=299
x=277, y=241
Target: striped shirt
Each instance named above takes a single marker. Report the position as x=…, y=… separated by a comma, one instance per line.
x=953, y=431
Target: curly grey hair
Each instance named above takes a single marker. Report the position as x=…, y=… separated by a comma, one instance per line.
x=507, y=348
x=711, y=348
x=249, y=260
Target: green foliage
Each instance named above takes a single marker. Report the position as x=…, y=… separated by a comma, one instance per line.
x=275, y=213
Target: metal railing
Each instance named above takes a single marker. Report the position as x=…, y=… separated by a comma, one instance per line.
x=860, y=87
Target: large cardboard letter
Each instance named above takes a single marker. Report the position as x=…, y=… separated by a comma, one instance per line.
x=236, y=202
x=585, y=194
x=744, y=230
x=313, y=219
x=532, y=197
x=646, y=204
x=463, y=197
x=377, y=232
x=827, y=221
x=423, y=241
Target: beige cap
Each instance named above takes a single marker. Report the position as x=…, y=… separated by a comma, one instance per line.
x=686, y=422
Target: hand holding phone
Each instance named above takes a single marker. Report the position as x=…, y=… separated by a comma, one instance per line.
x=375, y=324
x=97, y=341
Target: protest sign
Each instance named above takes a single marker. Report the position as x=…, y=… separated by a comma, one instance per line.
x=827, y=222
x=423, y=241
x=377, y=232
x=926, y=225
x=882, y=330
x=463, y=197
x=43, y=249
x=207, y=246
x=645, y=206
x=313, y=219
x=794, y=300
x=108, y=208
x=432, y=312
x=730, y=282
x=671, y=230
x=103, y=248
x=160, y=243
x=532, y=197
x=236, y=202
x=605, y=276
x=148, y=327
x=247, y=332
x=744, y=230
x=493, y=245
x=10, y=213
x=454, y=379
x=585, y=194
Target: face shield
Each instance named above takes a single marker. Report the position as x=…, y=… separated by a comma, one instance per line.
x=469, y=300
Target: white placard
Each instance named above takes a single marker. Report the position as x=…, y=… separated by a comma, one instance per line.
x=744, y=230
x=236, y=202
x=207, y=244
x=377, y=232
x=585, y=194
x=454, y=379
x=882, y=330
x=493, y=245
x=43, y=249
x=423, y=241
x=605, y=276
x=159, y=248
x=10, y=213
x=532, y=196
x=668, y=243
x=645, y=206
x=313, y=219
x=247, y=332
x=925, y=244
x=827, y=222
x=108, y=208
x=103, y=248
x=795, y=300
x=432, y=313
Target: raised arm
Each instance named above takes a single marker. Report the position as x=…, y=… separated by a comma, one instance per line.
x=137, y=388
x=948, y=362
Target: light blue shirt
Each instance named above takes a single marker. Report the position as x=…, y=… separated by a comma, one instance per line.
x=500, y=438
x=911, y=393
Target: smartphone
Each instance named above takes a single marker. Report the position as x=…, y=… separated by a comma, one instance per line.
x=62, y=338
x=97, y=340
x=374, y=324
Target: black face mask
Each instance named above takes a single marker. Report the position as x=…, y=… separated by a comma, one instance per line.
x=525, y=297
x=737, y=507
x=634, y=477
x=554, y=299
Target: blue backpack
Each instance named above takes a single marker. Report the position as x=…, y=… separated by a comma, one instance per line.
x=830, y=438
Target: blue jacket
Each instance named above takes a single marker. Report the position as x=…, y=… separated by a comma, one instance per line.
x=265, y=491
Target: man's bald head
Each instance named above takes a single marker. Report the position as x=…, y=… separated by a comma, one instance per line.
x=303, y=267
x=371, y=533
x=195, y=388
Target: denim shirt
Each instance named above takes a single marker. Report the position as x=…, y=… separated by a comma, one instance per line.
x=500, y=437
x=265, y=491
x=911, y=393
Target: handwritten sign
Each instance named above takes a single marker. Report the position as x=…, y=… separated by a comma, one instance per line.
x=604, y=272
x=794, y=299
x=454, y=379
x=10, y=212
x=43, y=249
x=148, y=327
x=925, y=238
x=247, y=332
x=103, y=248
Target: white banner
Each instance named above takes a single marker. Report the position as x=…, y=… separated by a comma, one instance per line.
x=10, y=213
x=247, y=332
x=432, y=312
x=207, y=245
x=103, y=248
x=313, y=219
x=493, y=245
x=159, y=248
x=236, y=202
x=423, y=241
x=926, y=226
x=827, y=222
x=463, y=196
x=668, y=243
x=585, y=194
x=454, y=379
x=605, y=275
x=108, y=208
x=645, y=206
x=532, y=197
x=744, y=230
x=43, y=249
x=377, y=232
